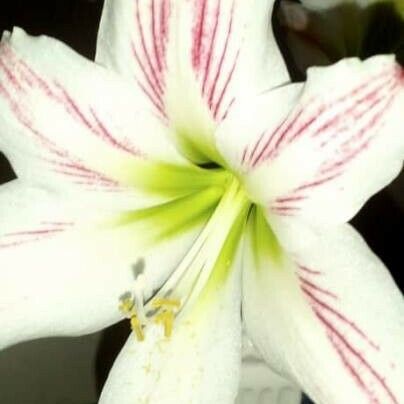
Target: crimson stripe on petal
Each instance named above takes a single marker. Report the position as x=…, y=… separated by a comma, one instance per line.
x=341, y=139
x=209, y=58
x=150, y=64
x=302, y=122
x=16, y=84
x=21, y=237
x=215, y=51
x=321, y=305
x=310, y=285
x=148, y=44
x=341, y=332
x=362, y=367
x=308, y=270
x=198, y=33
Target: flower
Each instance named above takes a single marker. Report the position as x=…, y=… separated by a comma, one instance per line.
x=176, y=181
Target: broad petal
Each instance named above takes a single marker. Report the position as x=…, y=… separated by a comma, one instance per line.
x=324, y=158
x=199, y=363
x=63, y=272
x=69, y=124
x=191, y=59
x=327, y=314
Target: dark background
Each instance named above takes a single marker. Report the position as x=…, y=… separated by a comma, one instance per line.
x=75, y=22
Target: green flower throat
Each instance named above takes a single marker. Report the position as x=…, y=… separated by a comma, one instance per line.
x=213, y=199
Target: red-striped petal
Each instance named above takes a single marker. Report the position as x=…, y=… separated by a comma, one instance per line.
x=71, y=124
x=329, y=316
x=337, y=142
x=191, y=59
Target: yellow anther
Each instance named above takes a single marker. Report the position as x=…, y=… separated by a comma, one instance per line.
x=166, y=319
x=167, y=303
x=167, y=315
x=127, y=306
x=136, y=327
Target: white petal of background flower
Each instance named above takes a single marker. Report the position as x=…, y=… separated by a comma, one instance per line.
x=328, y=4
x=259, y=384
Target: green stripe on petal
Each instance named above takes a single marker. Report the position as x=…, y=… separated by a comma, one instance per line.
x=198, y=149
x=208, y=265
x=264, y=242
x=222, y=268
x=224, y=264
x=170, y=180
x=174, y=217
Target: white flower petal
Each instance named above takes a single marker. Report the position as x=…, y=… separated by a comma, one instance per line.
x=322, y=5
x=338, y=146
x=302, y=32
x=260, y=384
x=199, y=363
x=329, y=316
x=69, y=124
x=61, y=274
x=191, y=59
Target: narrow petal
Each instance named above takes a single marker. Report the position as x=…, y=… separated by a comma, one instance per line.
x=62, y=273
x=326, y=313
x=199, y=363
x=69, y=124
x=191, y=59
x=324, y=158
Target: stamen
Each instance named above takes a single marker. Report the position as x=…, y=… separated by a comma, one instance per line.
x=166, y=319
x=127, y=307
x=194, y=273
x=162, y=302
x=137, y=327
x=191, y=275
x=167, y=315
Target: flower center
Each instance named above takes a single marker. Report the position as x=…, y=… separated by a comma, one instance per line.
x=201, y=272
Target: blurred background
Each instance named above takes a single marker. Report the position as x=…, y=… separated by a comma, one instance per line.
x=72, y=371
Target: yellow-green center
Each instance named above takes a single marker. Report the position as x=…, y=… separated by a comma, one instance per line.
x=212, y=198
